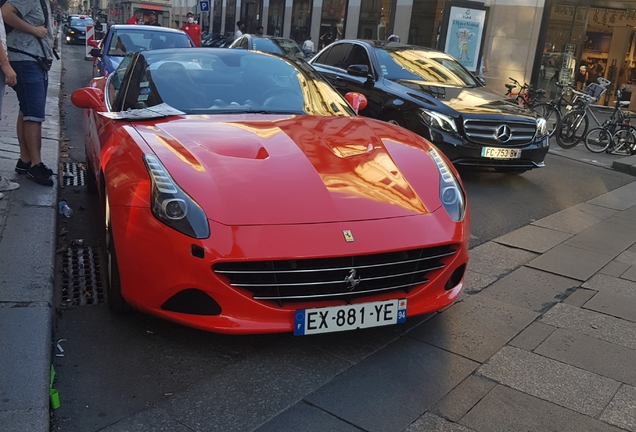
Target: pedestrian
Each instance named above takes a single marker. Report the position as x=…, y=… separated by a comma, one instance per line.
x=152, y=19
x=325, y=39
x=308, y=47
x=582, y=76
x=192, y=29
x=135, y=19
x=240, y=26
x=260, y=31
x=30, y=48
x=8, y=77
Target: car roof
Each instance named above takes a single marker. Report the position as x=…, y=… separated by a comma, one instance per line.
x=141, y=28
x=387, y=46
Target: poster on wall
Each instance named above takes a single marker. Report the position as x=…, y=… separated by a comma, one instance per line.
x=463, y=29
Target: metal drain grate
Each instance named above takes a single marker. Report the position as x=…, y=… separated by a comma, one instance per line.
x=73, y=174
x=81, y=277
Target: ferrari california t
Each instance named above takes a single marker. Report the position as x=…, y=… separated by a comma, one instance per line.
x=242, y=194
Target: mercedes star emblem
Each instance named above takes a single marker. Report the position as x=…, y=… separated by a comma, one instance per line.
x=503, y=133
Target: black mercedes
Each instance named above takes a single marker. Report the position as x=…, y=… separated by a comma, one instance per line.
x=76, y=29
x=430, y=93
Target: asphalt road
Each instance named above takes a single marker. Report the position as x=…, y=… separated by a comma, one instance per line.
x=111, y=366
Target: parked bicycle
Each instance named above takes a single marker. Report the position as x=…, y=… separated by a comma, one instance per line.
x=574, y=125
x=600, y=139
x=552, y=110
x=526, y=95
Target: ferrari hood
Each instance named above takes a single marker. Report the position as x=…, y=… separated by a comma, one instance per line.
x=266, y=169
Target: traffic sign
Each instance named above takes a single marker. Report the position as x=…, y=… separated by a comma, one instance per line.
x=204, y=6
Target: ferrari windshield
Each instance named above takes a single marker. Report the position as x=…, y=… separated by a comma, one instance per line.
x=124, y=41
x=434, y=67
x=215, y=81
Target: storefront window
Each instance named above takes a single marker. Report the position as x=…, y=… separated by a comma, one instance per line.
x=275, y=19
x=230, y=14
x=332, y=21
x=426, y=20
x=216, y=17
x=375, y=19
x=251, y=13
x=301, y=20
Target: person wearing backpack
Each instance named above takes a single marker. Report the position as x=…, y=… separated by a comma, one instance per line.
x=8, y=77
x=30, y=45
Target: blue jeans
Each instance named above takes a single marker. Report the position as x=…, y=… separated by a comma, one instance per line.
x=31, y=89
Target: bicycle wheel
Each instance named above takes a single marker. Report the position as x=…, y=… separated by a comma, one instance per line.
x=551, y=115
x=572, y=129
x=598, y=140
x=624, y=141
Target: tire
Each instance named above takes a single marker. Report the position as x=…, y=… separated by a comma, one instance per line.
x=115, y=300
x=572, y=129
x=394, y=118
x=598, y=140
x=551, y=115
x=623, y=142
x=91, y=180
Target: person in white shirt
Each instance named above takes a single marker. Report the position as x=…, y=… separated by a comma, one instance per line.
x=240, y=27
x=308, y=47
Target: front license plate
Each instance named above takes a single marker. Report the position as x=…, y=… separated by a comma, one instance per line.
x=349, y=317
x=500, y=153
x=81, y=37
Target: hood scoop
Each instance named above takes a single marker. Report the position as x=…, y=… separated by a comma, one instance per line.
x=243, y=148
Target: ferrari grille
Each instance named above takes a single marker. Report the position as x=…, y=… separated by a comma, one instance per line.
x=507, y=134
x=332, y=278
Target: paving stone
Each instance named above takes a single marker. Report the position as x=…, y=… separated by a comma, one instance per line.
x=532, y=336
x=462, y=398
x=475, y=328
x=591, y=323
x=25, y=420
x=562, y=384
x=432, y=423
x=622, y=409
x=576, y=219
x=616, y=296
x=475, y=282
x=591, y=354
x=533, y=238
x=627, y=257
x=393, y=387
x=614, y=268
x=153, y=419
x=621, y=198
x=506, y=410
x=531, y=289
x=306, y=418
x=494, y=259
x=571, y=262
x=580, y=297
x=630, y=213
x=630, y=274
x=611, y=237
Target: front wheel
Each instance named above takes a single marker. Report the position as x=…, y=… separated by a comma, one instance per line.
x=624, y=142
x=551, y=115
x=115, y=300
x=572, y=129
x=598, y=140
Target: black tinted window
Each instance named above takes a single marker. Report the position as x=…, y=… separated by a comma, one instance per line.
x=337, y=56
x=322, y=58
x=359, y=56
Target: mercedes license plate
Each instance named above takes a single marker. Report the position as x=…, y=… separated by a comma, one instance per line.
x=349, y=317
x=500, y=153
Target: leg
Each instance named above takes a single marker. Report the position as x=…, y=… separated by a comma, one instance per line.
x=33, y=141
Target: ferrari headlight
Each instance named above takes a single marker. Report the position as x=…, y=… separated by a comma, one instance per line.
x=438, y=121
x=542, y=127
x=450, y=193
x=172, y=206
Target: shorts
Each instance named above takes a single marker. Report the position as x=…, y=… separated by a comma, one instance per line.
x=31, y=89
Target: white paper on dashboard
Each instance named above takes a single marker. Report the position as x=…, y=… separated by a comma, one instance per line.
x=161, y=110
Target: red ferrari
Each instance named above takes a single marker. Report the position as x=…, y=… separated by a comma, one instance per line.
x=243, y=194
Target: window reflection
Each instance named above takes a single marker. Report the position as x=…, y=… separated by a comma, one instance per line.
x=375, y=18
x=230, y=21
x=332, y=21
x=426, y=19
x=275, y=19
x=216, y=19
x=301, y=20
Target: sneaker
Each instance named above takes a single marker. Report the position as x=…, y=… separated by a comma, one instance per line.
x=22, y=167
x=39, y=174
x=7, y=185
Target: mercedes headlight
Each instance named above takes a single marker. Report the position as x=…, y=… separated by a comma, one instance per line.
x=438, y=121
x=170, y=205
x=450, y=193
x=542, y=127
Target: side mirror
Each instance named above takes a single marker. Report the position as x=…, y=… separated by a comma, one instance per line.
x=93, y=43
x=88, y=98
x=95, y=52
x=358, y=101
x=358, y=70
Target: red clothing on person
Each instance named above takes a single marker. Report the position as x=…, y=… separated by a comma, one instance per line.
x=194, y=31
x=131, y=20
